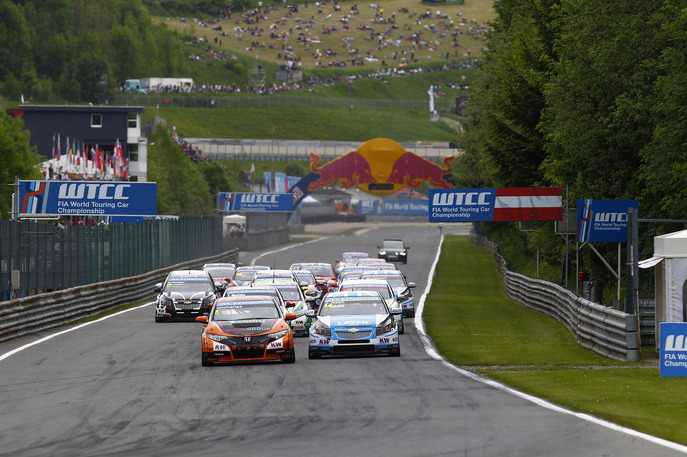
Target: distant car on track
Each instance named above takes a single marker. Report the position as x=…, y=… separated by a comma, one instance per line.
x=393, y=250
x=246, y=329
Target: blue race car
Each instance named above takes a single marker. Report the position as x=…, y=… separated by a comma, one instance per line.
x=353, y=323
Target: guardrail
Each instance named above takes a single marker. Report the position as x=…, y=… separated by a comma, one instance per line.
x=603, y=330
x=23, y=316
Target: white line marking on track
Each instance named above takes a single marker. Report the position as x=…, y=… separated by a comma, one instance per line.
x=432, y=352
x=21, y=348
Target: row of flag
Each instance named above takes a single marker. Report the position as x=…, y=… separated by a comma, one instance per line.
x=78, y=155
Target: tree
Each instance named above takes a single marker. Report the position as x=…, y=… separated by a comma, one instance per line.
x=17, y=157
x=505, y=108
x=598, y=101
x=181, y=188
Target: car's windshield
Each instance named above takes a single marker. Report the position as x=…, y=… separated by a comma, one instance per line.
x=352, y=306
x=188, y=286
x=393, y=245
x=240, y=311
x=290, y=293
x=320, y=270
x=380, y=288
x=221, y=272
x=354, y=257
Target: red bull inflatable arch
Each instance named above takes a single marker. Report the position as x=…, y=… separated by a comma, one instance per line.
x=380, y=167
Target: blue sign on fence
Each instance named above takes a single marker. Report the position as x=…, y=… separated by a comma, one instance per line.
x=603, y=221
x=406, y=207
x=234, y=201
x=673, y=349
x=87, y=198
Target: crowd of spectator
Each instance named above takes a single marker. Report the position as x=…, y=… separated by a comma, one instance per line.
x=389, y=34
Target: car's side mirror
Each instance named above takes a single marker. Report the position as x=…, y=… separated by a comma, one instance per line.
x=310, y=313
x=290, y=316
x=202, y=319
x=157, y=287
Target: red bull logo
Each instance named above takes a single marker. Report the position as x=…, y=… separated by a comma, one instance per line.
x=380, y=167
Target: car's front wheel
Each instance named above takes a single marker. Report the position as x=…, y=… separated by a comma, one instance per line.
x=291, y=357
x=204, y=361
x=313, y=355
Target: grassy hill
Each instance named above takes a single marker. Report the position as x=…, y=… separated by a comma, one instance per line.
x=396, y=33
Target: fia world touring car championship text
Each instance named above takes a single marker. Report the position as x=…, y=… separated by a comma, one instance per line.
x=72, y=207
x=458, y=211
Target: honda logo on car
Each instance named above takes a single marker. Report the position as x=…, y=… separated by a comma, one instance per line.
x=673, y=349
x=496, y=204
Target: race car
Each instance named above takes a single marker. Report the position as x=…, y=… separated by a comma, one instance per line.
x=349, y=259
x=246, y=328
x=324, y=274
x=353, y=323
x=401, y=287
x=244, y=274
x=384, y=289
x=185, y=293
x=296, y=303
x=223, y=272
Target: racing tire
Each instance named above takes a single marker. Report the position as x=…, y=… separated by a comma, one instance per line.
x=291, y=358
x=402, y=329
x=396, y=353
x=313, y=355
x=204, y=362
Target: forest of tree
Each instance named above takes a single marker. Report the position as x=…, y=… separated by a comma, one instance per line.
x=588, y=95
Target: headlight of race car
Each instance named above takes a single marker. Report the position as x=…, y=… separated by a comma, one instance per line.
x=279, y=334
x=208, y=299
x=320, y=329
x=166, y=301
x=385, y=327
x=213, y=337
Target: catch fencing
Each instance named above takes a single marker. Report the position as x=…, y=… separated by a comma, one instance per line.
x=603, y=330
x=23, y=316
x=37, y=257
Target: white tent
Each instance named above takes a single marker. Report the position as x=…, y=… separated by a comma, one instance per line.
x=670, y=260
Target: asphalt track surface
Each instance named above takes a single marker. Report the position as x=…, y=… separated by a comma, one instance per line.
x=126, y=386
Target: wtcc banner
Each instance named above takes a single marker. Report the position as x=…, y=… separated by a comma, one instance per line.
x=234, y=201
x=87, y=198
x=603, y=221
x=496, y=204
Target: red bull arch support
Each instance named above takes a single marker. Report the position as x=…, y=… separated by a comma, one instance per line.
x=380, y=167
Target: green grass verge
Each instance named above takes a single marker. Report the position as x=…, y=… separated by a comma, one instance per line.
x=537, y=354
x=305, y=124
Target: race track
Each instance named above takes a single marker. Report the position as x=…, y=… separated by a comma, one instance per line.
x=125, y=386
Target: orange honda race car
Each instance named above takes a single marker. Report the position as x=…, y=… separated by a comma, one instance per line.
x=246, y=329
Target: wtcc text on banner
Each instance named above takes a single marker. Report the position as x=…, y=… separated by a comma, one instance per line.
x=87, y=198
x=248, y=202
x=496, y=204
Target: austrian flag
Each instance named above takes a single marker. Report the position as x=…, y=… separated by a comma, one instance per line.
x=528, y=204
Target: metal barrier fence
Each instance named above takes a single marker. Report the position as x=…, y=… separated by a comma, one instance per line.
x=23, y=316
x=220, y=148
x=40, y=257
x=277, y=101
x=603, y=330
